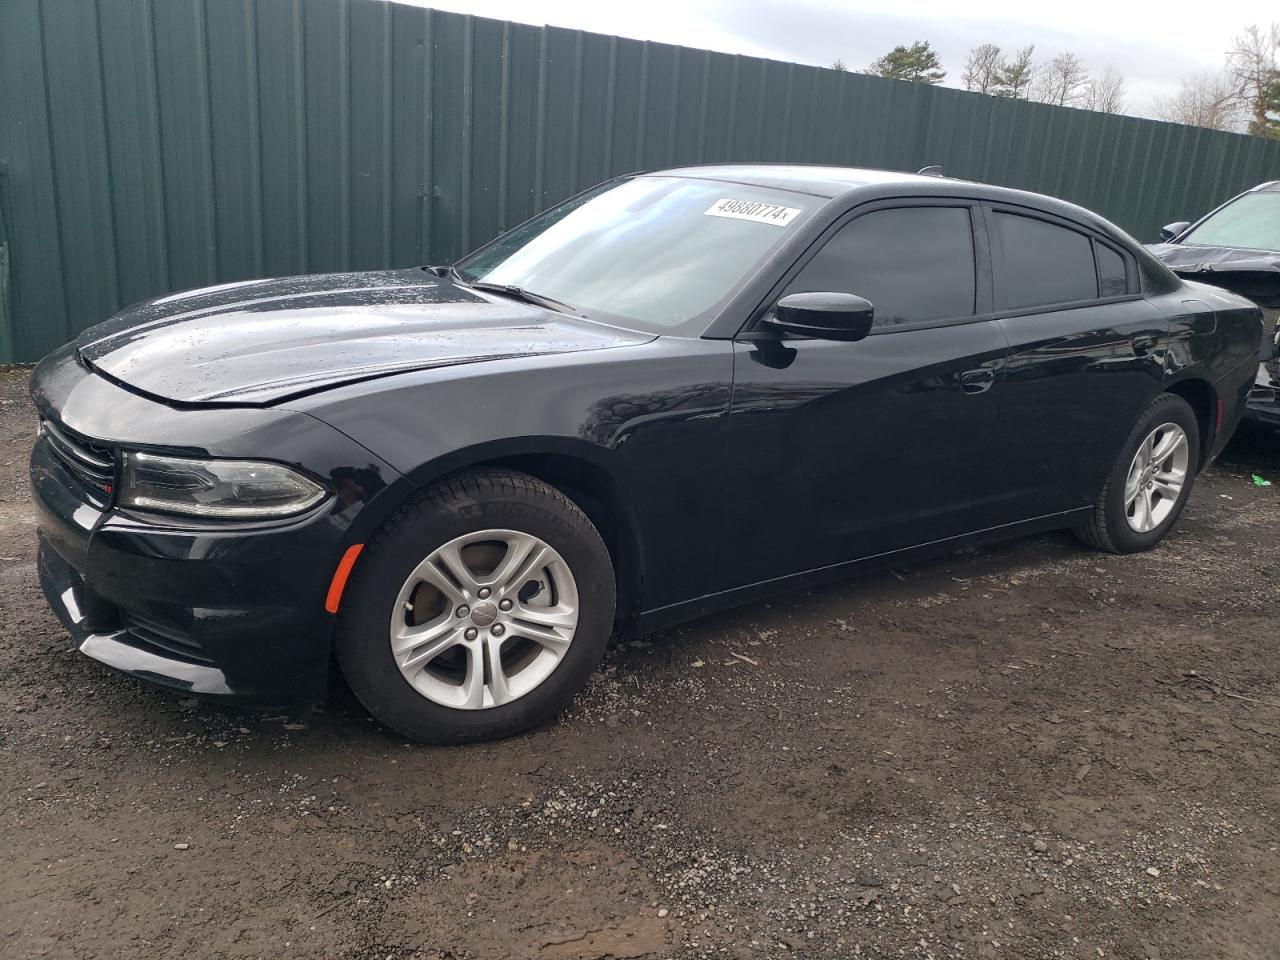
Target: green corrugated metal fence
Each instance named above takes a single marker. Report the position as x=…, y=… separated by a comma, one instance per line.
x=152, y=145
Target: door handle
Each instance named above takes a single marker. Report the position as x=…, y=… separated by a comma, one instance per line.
x=1144, y=344
x=977, y=381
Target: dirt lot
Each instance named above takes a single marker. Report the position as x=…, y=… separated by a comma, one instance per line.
x=1029, y=751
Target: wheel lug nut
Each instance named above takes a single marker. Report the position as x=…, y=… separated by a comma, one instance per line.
x=497, y=629
x=471, y=633
x=504, y=605
x=484, y=593
x=463, y=610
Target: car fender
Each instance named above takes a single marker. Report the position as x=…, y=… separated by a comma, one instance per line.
x=647, y=417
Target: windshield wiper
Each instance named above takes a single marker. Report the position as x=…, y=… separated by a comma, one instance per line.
x=519, y=293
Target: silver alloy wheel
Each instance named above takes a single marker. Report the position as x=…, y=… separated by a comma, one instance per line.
x=484, y=619
x=1156, y=477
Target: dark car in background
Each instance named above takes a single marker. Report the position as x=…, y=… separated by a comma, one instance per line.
x=672, y=393
x=1237, y=247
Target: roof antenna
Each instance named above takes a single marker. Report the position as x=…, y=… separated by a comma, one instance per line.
x=932, y=171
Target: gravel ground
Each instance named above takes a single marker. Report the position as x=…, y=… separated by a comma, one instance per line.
x=1027, y=751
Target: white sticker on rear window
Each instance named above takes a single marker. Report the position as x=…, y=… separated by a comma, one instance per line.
x=752, y=210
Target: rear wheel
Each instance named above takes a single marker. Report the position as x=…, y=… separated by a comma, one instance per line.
x=1150, y=481
x=478, y=611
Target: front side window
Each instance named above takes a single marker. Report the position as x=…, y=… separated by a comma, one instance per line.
x=915, y=264
x=659, y=254
x=1044, y=264
x=1251, y=221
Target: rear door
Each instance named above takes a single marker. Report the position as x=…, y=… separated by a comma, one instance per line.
x=846, y=450
x=1086, y=357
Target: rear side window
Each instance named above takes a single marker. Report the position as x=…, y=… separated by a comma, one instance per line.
x=1044, y=264
x=914, y=264
x=1112, y=281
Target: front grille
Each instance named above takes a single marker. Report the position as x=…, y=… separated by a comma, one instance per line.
x=92, y=464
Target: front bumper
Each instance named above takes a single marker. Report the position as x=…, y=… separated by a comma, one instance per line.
x=220, y=610
x=96, y=629
x=233, y=614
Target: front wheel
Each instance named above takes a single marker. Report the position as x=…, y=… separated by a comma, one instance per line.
x=1150, y=481
x=478, y=611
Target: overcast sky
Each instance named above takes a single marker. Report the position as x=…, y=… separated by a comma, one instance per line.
x=1153, y=44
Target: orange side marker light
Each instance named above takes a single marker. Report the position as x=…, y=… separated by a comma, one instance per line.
x=340, y=577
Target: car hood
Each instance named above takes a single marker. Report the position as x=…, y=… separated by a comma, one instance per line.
x=1251, y=273
x=261, y=342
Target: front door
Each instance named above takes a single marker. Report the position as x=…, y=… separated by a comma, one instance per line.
x=849, y=450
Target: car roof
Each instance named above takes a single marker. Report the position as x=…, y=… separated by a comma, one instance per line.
x=848, y=183
x=815, y=179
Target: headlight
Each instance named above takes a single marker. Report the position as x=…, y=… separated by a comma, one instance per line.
x=229, y=489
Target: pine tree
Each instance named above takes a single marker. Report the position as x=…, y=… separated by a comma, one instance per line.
x=917, y=62
x=1015, y=77
x=1266, y=119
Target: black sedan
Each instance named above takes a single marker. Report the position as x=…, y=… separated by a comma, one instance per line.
x=1237, y=247
x=672, y=393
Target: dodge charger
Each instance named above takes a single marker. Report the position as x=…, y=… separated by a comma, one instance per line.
x=673, y=392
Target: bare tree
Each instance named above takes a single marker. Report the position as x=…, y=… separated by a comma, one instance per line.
x=1254, y=65
x=1106, y=92
x=982, y=68
x=839, y=65
x=1063, y=82
x=1204, y=100
x=1017, y=75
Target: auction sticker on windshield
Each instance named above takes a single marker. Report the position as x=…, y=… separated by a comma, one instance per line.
x=752, y=210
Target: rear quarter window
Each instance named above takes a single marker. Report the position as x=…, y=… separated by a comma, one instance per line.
x=1112, y=279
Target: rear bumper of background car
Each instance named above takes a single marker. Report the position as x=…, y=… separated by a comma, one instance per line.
x=1264, y=397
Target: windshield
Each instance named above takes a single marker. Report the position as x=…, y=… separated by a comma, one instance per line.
x=659, y=254
x=1252, y=222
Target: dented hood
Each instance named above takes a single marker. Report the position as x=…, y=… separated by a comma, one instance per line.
x=260, y=342
x=1251, y=273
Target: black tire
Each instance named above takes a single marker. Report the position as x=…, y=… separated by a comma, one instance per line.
x=1108, y=527
x=465, y=504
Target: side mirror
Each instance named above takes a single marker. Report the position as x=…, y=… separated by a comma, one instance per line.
x=1171, y=230
x=823, y=316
